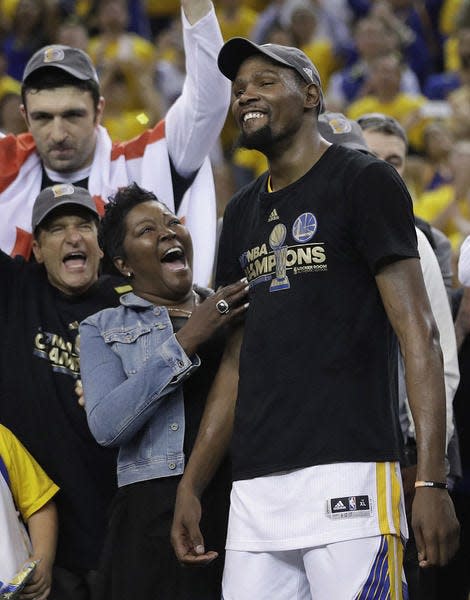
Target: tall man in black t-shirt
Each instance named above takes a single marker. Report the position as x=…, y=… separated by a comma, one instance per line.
x=41, y=306
x=326, y=240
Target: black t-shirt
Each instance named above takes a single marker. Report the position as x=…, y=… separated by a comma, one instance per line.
x=39, y=365
x=318, y=360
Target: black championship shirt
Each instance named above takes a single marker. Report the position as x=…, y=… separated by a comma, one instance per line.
x=318, y=361
x=39, y=365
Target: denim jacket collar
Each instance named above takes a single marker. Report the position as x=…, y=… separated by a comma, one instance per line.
x=131, y=300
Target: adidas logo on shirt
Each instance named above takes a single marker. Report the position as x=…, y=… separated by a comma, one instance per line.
x=273, y=216
x=339, y=506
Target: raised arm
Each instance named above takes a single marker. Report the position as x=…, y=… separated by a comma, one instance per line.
x=405, y=300
x=194, y=121
x=195, y=10
x=215, y=432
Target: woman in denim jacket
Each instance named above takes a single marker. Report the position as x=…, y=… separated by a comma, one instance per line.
x=147, y=367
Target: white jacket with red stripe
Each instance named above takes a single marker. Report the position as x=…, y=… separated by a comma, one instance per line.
x=187, y=135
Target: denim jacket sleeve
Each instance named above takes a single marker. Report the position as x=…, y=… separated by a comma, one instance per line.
x=118, y=406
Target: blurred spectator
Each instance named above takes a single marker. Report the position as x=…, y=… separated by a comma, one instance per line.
x=7, y=83
x=386, y=97
x=126, y=65
x=33, y=24
x=87, y=10
x=170, y=69
x=413, y=23
x=333, y=21
x=235, y=19
x=11, y=120
x=459, y=121
x=430, y=170
x=113, y=41
x=460, y=20
x=439, y=85
x=267, y=19
x=133, y=104
x=372, y=39
x=448, y=207
x=302, y=19
x=161, y=13
x=72, y=32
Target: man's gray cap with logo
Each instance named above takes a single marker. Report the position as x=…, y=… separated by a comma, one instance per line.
x=72, y=60
x=61, y=194
x=237, y=50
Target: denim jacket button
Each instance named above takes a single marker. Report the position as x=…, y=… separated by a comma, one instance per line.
x=174, y=427
x=172, y=466
x=180, y=363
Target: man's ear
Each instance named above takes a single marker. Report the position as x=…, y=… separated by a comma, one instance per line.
x=24, y=114
x=312, y=96
x=122, y=267
x=36, y=247
x=99, y=110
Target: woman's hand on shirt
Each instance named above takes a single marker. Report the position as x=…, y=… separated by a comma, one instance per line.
x=207, y=317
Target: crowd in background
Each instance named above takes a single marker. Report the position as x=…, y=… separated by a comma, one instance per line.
x=404, y=58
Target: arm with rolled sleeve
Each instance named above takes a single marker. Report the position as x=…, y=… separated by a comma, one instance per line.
x=117, y=406
x=194, y=121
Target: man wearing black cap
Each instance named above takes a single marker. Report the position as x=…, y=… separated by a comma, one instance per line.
x=326, y=239
x=63, y=108
x=41, y=305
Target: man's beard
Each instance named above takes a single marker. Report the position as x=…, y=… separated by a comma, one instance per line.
x=262, y=139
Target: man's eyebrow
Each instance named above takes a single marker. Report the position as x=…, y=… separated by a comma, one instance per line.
x=64, y=113
x=261, y=73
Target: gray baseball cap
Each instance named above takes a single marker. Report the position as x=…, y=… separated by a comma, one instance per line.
x=72, y=60
x=237, y=50
x=338, y=129
x=59, y=195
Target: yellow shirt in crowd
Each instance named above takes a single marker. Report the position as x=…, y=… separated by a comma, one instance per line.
x=31, y=488
x=402, y=107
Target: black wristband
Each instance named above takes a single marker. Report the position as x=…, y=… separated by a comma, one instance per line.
x=432, y=484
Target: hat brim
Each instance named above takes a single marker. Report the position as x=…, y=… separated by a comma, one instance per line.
x=70, y=70
x=234, y=52
x=63, y=203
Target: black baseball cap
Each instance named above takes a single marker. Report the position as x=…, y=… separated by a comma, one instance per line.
x=72, y=60
x=237, y=50
x=59, y=195
x=338, y=129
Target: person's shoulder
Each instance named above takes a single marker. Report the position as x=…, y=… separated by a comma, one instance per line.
x=103, y=319
x=354, y=169
x=113, y=285
x=8, y=442
x=349, y=160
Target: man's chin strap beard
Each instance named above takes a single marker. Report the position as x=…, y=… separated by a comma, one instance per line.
x=260, y=140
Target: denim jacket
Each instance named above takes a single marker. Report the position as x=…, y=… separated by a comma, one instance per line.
x=133, y=368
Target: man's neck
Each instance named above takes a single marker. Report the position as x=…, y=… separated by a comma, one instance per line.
x=289, y=166
x=71, y=177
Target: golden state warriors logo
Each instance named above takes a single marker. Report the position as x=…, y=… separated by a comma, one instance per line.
x=304, y=227
x=53, y=54
x=62, y=189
